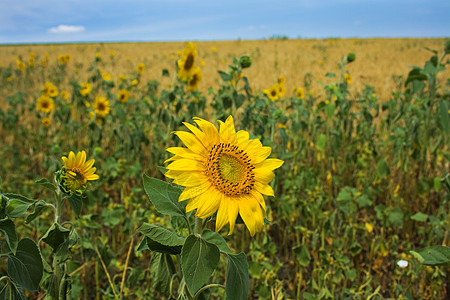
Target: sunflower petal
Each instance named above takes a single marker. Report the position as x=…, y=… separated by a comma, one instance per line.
x=184, y=164
x=191, y=141
x=251, y=214
x=264, y=189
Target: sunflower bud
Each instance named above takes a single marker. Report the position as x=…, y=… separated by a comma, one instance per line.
x=245, y=61
x=74, y=175
x=447, y=47
x=351, y=57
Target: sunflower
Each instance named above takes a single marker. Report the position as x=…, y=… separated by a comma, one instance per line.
x=101, y=106
x=76, y=172
x=85, y=89
x=21, y=65
x=194, y=79
x=61, y=59
x=65, y=95
x=140, y=68
x=272, y=93
x=186, y=63
x=106, y=76
x=299, y=93
x=223, y=171
x=281, y=89
x=45, y=104
x=348, y=78
x=46, y=122
x=123, y=96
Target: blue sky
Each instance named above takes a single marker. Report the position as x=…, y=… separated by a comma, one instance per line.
x=37, y=21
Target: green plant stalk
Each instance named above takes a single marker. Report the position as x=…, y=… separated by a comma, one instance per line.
x=206, y=287
x=198, y=226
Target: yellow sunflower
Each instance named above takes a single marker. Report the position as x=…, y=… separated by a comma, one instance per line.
x=85, y=89
x=272, y=93
x=281, y=89
x=299, y=93
x=140, y=68
x=65, y=95
x=194, y=79
x=61, y=59
x=106, y=76
x=186, y=63
x=45, y=104
x=101, y=106
x=21, y=65
x=123, y=96
x=76, y=172
x=46, y=122
x=348, y=78
x=223, y=171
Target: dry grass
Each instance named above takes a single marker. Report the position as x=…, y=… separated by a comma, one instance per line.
x=377, y=60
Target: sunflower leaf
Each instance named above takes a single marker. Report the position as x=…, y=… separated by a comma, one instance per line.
x=216, y=239
x=160, y=239
x=199, y=258
x=237, y=282
x=433, y=255
x=162, y=268
x=25, y=267
x=9, y=229
x=45, y=183
x=164, y=196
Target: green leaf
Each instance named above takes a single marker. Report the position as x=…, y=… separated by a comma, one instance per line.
x=237, y=282
x=303, y=256
x=55, y=236
x=434, y=255
x=225, y=76
x=444, y=116
x=396, y=217
x=39, y=208
x=17, y=205
x=75, y=202
x=12, y=292
x=162, y=268
x=321, y=141
x=419, y=217
x=330, y=109
x=9, y=229
x=382, y=168
x=199, y=258
x=330, y=75
x=25, y=267
x=216, y=239
x=163, y=196
x=437, y=183
x=162, y=240
x=165, y=72
x=45, y=183
x=415, y=74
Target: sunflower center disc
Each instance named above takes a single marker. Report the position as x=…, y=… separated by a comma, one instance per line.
x=230, y=170
x=189, y=62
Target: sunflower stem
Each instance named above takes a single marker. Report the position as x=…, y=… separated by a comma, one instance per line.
x=198, y=226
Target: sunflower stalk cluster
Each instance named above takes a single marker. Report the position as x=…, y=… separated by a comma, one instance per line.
x=27, y=260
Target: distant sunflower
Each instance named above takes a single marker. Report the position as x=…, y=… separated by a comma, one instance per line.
x=281, y=89
x=223, y=171
x=123, y=96
x=272, y=93
x=61, y=59
x=45, y=104
x=194, y=79
x=85, y=89
x=76, y=173
x=140, y=68
x=21, y=65
x=348, y=78
x=106, y=76
x=46, y=122
x=186, y=63
x=65, y=95
x=299, y=93
x=101, y=106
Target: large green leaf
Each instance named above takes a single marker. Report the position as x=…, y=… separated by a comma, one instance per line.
x=75, y=202
x=162, y=240
x=162, y=268
x=216, y=239
x=25, y=267
x=237, y=282
x=9, y=229
x=434, y=255
x=199, y=258
x=163, y=196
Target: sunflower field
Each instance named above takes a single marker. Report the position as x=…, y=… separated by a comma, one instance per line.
x=122, y=181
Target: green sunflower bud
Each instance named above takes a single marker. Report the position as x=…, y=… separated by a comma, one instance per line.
x=245, y=61
x=447, y=47
x=351, y=57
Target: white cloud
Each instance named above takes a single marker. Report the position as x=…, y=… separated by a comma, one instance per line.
x=66, y=29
